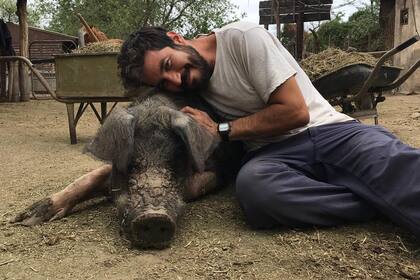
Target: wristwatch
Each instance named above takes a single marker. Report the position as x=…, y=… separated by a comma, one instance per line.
x=224, y=130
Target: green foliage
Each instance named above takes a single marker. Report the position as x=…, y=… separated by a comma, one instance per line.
x=8, y=13
x=334, y=33
x=288, y=37
x=361, y=31
x=365, y=31
x=118, y=18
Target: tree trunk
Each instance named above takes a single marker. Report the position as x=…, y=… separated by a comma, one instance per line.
x=387, y=22
x=22, y=13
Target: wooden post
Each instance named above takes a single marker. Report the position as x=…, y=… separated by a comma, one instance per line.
x=3, y=67
x=10, y=78
x=278, y=30
x=299, y=37
x=276, y=11
x=24, y=48
x=72, y=123
x=87, y=27
x=14, y=91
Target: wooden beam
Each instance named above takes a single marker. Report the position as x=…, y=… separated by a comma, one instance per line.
x=298, y=9
x=290, y=3
x=292, y=19
x=87, y=27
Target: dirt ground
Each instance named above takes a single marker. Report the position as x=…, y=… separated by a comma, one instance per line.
x=212, y=242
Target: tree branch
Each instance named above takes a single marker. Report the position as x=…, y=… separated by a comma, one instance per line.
x=181, y=12
x=168, y=14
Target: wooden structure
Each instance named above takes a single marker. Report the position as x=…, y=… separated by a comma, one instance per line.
x=22, y=13
x=42, y=46
x=294, y=11
x=406, y=24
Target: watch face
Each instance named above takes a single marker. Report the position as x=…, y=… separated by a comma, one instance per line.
x=223, y=127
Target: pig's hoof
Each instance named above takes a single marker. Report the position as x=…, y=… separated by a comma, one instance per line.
x=152, y=229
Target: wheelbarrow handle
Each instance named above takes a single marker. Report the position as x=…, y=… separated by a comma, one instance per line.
x=398, y=49
x=367, y=84
x=401, y=79
x=407, y=43
x=35, y=71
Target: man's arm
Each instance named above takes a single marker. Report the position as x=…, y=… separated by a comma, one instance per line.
x=286, y=110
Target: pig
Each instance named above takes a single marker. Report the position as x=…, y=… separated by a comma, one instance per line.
x=161, y=158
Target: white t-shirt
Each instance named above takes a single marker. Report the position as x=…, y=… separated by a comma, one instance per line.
x=250, y=64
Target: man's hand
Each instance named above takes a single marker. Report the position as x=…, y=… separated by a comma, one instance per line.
x=202, y=118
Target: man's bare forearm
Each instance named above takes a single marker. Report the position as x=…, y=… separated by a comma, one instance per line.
x=286, y=110
x=274, y=120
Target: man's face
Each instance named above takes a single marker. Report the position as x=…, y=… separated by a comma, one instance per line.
x=179, y=69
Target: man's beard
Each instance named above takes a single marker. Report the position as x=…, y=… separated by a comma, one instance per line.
x=199, y=63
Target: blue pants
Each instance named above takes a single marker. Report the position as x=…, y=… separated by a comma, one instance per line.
x=329, y=175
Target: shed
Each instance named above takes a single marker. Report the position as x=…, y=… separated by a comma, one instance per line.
x=43, y=45
x=38, y=47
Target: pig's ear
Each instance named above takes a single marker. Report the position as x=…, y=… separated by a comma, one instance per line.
x=200, y=142
x=114, y=141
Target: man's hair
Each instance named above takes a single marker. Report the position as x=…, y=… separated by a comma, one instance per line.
x=133, y=50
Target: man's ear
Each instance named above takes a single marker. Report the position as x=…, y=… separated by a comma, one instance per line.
x=177, y=38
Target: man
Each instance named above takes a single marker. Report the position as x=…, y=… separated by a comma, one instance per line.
x=307, y=164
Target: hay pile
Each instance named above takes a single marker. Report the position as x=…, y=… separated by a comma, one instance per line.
x=112, y=45
x=332, y=59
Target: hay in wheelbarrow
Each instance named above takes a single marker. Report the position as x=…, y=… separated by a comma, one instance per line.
x=112, y=45
x=333, y=59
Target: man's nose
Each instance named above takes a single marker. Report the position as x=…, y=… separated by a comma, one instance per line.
x=173, y=78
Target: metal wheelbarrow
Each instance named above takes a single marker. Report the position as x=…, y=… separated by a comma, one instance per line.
x=358, y=88
x=84, y=79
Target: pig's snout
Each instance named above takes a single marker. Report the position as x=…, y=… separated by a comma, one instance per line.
x=152, y=229
x=150, y=208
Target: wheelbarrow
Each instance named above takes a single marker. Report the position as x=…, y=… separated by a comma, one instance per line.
x=84, y=79
x=358, y=88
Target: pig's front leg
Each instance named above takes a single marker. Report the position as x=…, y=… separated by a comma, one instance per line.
x=59, y=204
x=200, y=184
